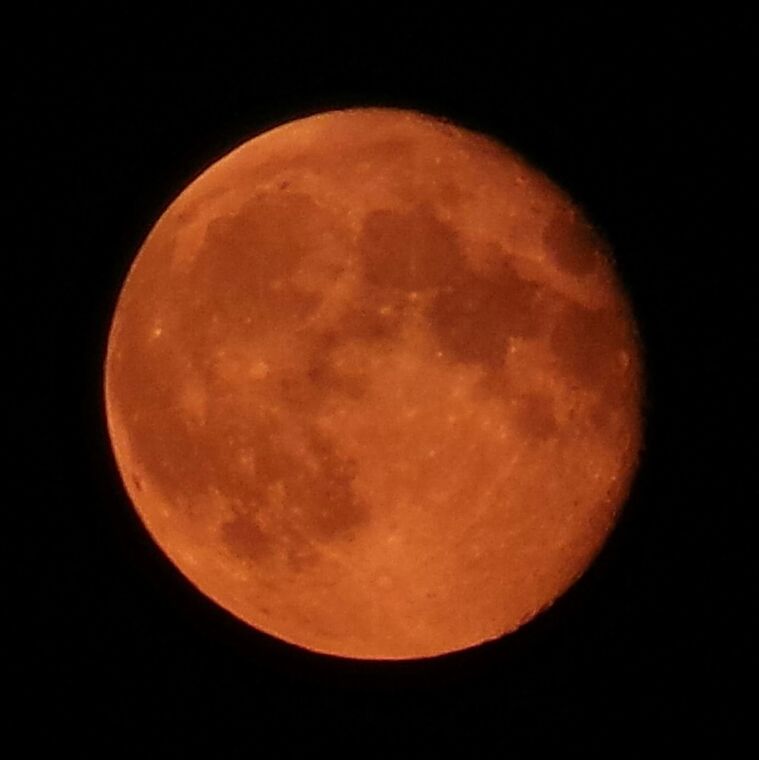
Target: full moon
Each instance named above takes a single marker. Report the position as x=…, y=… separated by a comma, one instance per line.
x=374, y=387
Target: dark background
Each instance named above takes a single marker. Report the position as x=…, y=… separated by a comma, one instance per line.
x=643, y=120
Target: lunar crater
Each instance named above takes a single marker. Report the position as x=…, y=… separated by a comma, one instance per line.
x=574, y=244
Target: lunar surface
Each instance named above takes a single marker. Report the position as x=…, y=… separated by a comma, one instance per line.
x=373, y=386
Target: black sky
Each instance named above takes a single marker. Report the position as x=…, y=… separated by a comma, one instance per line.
x=642, y=119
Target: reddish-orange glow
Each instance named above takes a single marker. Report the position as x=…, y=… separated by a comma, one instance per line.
x=373, y=386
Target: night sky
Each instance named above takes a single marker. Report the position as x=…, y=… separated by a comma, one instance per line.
x=642, y=120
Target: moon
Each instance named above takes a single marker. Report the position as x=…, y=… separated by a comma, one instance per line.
x=374, y=386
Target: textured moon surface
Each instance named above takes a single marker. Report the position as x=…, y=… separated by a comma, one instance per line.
x=374, y=387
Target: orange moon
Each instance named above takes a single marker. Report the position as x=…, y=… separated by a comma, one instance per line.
x=374, y=387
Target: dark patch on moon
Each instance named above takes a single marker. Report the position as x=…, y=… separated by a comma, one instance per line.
x=335, y=509
x=475, y=314
x=533, y=416
x=378, y=317
x=292, y=489
x=302, y=493
x=575, y=244
x=244, y=539
x=472, y=314
x=261, y=237
x=586, y=342
x=247, y=261
x=320, y=378
x=410, y=251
